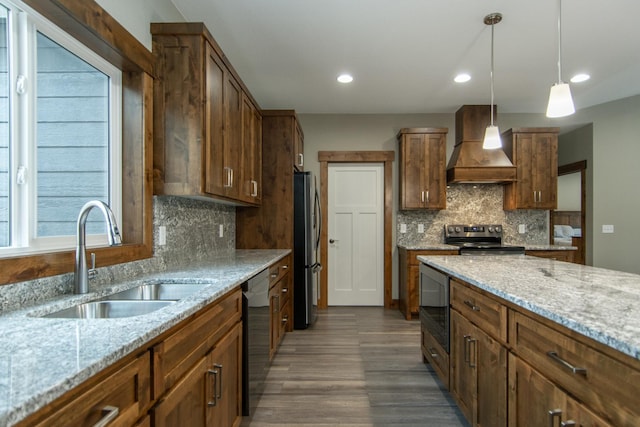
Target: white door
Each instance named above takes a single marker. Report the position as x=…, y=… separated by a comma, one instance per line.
x=356, y=234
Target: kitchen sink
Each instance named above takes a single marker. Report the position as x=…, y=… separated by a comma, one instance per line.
x=157, y=291
x=109, y=309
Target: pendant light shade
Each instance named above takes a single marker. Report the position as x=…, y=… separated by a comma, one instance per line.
x=492, y=134
x=560, y=100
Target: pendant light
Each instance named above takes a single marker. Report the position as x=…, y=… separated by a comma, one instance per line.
x=492, y=133
x=560, y=101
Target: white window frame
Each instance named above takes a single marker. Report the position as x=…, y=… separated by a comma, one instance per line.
x=23, y=23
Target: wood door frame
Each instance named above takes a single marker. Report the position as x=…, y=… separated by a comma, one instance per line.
x=385, y=157
x=581, y=167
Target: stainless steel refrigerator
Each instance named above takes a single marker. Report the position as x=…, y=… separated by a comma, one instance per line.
x=307, y=220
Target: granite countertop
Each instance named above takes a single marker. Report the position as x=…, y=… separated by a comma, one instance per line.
x=445, y=247
x=598, y=303
x=42, y=358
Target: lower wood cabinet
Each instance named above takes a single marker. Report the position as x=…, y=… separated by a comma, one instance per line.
x=209, y=394
x=280, y=319
x=478, y=377
x=536, y=401
x=409, y=280
x=119, y=397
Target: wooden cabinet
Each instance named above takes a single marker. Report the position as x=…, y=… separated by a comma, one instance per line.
x=251, y=188
x=271, y=225
x=120, y=394
x=534, y=152
x=536, y=401
x=204, y=119
x=603, y=383
x=423, y=180
x=298, y=148
x=409, y=280
x=478, y=361
x=558, y=255
x=279, y=303
x=209, y=393
x=198, y=369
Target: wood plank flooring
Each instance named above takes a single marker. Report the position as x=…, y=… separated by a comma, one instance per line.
x=356, y=367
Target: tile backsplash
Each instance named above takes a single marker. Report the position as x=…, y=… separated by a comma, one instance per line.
x=192, y=228
x=473, y=203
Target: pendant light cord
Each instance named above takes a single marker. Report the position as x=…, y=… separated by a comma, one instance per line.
x=492, y=24
x=559, y=41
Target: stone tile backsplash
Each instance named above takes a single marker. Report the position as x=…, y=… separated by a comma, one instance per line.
x=192, y=233
x=473, y=203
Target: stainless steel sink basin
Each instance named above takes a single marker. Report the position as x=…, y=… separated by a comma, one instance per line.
x=157, y=291
x=109, y=309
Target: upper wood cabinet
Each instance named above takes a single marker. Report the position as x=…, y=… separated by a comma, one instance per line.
x=534, y=152
x=423, y=180
x=298, y=148
x=206, y=141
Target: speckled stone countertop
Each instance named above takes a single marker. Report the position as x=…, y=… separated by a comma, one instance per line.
x=42, y=358
x=598, y=303
x=444, y=247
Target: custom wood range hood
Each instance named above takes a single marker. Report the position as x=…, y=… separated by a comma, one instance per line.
x=470, y=163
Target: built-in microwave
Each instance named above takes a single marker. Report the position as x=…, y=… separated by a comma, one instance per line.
x=434, y=304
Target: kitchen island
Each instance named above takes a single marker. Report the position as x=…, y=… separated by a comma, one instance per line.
x=44, y=358
x=536, y=335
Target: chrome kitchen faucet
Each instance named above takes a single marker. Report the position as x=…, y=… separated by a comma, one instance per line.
x=81, y=275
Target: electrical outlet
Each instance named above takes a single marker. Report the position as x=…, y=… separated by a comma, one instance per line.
x=522, y=228
x=420, y=228
x=403, y=228
x=608, y=228
x=162, y=235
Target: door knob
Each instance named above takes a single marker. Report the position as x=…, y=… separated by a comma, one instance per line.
x=333, y=240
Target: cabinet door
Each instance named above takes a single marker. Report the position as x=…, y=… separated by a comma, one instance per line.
x=423, y=174
x=526, y=196
x=214, y=173
x=186, y=403
x=224, y=405
x=298, y=149
x=536, y=401
x=251, y=161
x=478, y=373
x=545, y=170
x=274, y=319
x=232, y=137
x=463, y=375
x=413, y=164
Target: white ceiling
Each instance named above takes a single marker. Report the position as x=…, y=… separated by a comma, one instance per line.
x=404, y=54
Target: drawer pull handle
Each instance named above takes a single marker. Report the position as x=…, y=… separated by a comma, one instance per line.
x=285, y=290
x=574, y=369
x=284, y=267
x=274, y=275
x=569, y=423
x=432, y=352
x=472, y=305
x=109, y=413
x=214, y=402
x=552, y=416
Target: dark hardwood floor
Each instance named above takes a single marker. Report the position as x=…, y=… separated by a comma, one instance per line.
x=357, y=366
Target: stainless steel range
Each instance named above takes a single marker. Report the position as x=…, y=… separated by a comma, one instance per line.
x=479, y=239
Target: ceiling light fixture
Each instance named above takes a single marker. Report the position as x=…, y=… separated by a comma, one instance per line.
x=560, y=100
x=345, y=78
x=462, y=78
x=492, y=134
x=579, y=78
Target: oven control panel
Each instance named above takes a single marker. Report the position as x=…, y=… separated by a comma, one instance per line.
x=473, y=230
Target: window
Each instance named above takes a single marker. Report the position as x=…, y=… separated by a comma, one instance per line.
x=60, y=145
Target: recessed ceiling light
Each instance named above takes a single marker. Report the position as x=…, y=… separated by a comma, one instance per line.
x=462, y=78
x=345, y=78
x=579, y=78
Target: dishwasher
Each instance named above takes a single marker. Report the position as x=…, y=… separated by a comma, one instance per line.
x=255, y=340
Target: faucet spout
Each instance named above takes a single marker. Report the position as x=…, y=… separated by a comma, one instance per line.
x=81, y=276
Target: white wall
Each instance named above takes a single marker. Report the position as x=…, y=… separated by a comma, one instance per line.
x=136, y=15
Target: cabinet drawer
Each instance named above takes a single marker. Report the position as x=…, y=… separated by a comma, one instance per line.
x=488, y=314
x=125, y=391
x=435, y=355
x=278, y=270
x=607, y=386
x=174, y=356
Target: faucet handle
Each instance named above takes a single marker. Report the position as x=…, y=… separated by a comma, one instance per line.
x=92, y=271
